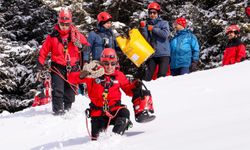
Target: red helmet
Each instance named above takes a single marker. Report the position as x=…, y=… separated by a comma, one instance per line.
x=233, y=28
x=103, y=17
x=155, y=6
x=181, y=21
x=64, y=16
x=108, y=54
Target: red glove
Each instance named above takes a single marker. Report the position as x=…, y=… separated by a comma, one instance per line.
x=150, y=27
x=142, y=24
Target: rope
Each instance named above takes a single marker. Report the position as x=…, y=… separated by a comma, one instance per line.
x=87, y=126
x=105, y=109
x=56, y=71
x=94, y=68
x=110, y=116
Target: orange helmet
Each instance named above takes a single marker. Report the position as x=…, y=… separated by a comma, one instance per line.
x=64, y=16
x=103, y=17
x=154, y=6
x=108, y=54
x=181, y=21
x=234, y=28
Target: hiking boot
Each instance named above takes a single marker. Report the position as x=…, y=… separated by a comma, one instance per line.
x=121, y=124
x=59, y=113
x=144, y=117
x=67, y=106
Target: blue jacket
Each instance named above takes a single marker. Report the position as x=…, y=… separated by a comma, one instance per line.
x=99, y=39
x=158, y=37
x=184, y=49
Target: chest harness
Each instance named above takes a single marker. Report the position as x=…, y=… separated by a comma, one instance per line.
x=67, y=58
x=106, y=83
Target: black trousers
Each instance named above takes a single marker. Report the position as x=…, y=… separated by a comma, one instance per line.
x=99, y=124
x=62, y=93
x=163, y=63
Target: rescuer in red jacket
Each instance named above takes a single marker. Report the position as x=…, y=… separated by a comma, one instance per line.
x=64, y=44
x=105, y=95
x=235, y=50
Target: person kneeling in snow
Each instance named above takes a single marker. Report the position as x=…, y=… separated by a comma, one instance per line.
x=104, y=82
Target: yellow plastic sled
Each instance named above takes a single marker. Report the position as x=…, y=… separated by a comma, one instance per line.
x=136, y=48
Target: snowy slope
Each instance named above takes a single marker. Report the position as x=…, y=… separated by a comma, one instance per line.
x=207, y=110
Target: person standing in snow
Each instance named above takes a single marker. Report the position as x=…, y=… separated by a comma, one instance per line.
x=235, y=50
x=101, y=37
x=184, y=49
x=156, y=31
x=105, y=95
x=64, y=44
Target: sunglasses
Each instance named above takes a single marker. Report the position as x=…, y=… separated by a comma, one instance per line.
x=153, y=12
x=108, y=56
x=64, y=24
x=106, y=63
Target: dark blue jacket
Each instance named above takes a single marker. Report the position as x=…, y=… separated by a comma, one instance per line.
x=184, y=49
x=99, y=39
x=158, y=37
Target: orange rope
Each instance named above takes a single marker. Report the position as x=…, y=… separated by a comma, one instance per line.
x=87, y=126
x=110, y=118
x=73, y=87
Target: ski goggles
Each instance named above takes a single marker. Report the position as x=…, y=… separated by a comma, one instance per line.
x=107, y=63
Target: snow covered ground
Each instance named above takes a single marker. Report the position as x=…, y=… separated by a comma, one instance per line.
x=206, y=110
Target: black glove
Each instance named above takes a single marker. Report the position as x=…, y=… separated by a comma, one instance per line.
x=194, y=66
x=39, y=67
x=38, y=71
x=83, y=48
x=138, y=83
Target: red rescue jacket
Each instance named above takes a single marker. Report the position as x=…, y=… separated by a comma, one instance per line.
x=247, y=9
x=55, y=46
x=234, y=52
x=96, y=88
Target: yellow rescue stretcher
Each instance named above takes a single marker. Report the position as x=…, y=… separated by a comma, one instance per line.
x=136, y=48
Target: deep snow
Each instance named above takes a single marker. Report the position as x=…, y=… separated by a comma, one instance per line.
x=206, y=110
